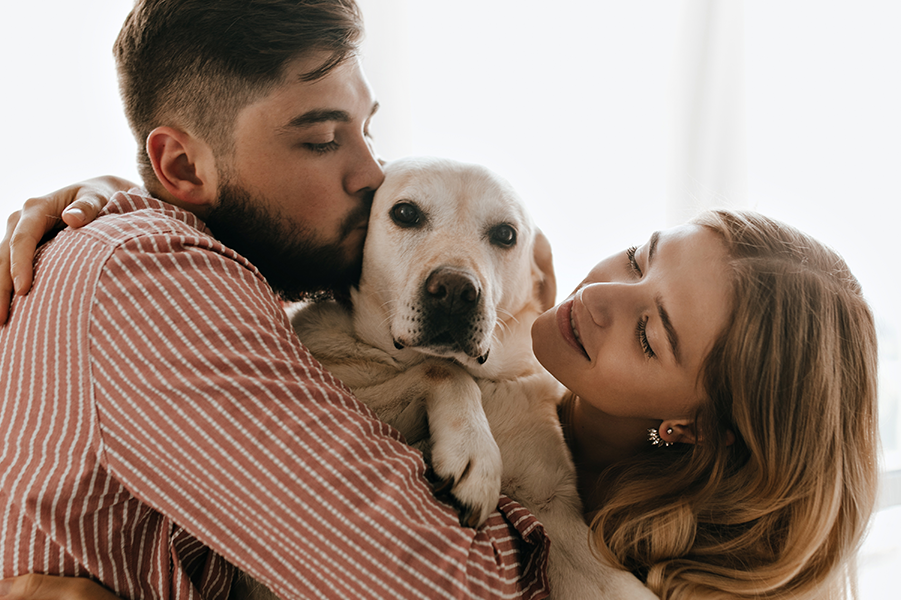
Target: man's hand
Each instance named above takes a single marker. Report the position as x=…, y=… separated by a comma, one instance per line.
x=46, y=587
x=75, y=205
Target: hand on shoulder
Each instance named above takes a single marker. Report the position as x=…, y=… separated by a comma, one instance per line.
x=74, y=205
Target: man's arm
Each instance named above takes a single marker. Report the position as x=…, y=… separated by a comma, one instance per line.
x=213, y=413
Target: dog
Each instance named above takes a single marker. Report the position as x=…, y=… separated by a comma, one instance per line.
x=437, y=341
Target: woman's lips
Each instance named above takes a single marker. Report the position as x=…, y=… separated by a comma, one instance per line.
x=567, y=327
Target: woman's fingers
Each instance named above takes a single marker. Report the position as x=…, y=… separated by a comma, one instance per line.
x=46, y=587
x=84, y=209
x=74, y=205
x=6, y=281
x=38, y=217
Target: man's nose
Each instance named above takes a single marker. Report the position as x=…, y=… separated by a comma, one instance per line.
x=367, y=173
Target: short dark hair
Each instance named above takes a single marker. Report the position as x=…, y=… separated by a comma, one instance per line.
x=194, y=64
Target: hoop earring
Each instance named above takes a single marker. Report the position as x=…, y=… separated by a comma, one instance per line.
x=655, y=439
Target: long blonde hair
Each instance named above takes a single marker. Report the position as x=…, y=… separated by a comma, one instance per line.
x=780, y=512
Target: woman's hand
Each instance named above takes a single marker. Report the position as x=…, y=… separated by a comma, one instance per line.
x=46, y=587
x=75, y=205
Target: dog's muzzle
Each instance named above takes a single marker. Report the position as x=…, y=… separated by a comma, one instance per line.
x=451, y=315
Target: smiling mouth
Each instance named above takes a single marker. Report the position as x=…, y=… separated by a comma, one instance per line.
x=572, y=323
x=567, y=324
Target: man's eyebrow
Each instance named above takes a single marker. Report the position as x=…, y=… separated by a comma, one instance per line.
x=323, y=115
x=670, y=330
x=316, y=116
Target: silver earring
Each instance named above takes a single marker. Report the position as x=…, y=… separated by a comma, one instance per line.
x=656, y=440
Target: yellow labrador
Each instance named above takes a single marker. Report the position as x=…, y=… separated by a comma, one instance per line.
x=438, y=344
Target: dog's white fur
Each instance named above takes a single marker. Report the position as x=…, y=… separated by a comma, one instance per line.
x=491, y=424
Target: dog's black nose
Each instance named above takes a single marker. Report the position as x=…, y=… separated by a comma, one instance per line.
x=453, y=290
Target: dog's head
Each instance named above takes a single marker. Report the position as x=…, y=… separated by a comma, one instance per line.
x=452, y=263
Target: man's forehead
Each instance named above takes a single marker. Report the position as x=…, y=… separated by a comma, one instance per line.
x=344, y=88
x=343, y=95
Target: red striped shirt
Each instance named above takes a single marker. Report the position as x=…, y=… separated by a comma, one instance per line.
x=160, y=418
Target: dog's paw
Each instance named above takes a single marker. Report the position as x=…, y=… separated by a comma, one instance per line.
x=468, y=465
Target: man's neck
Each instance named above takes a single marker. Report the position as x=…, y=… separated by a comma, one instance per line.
x=159, y=192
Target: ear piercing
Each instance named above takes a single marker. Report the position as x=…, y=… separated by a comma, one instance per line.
x=656, y=440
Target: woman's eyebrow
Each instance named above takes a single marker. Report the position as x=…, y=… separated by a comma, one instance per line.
x=652, y=246
x=671, y=336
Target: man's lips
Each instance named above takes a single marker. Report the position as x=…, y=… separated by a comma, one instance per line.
x=566, y=325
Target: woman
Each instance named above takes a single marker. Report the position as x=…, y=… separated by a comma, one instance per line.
x=722, y=410
x=766, y=487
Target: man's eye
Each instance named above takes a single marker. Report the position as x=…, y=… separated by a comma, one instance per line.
x=406, y=214
x=322, y=148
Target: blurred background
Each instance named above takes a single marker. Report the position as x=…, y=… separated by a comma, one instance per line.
x=611, y=118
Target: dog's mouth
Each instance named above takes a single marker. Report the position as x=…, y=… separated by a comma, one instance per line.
x=447, y=344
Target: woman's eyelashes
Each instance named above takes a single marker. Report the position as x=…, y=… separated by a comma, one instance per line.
x=641, y=332
x=633, y=263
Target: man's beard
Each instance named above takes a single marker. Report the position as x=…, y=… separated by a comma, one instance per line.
x=295, y=264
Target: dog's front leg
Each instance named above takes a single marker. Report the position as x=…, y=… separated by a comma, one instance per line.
x=539, y=473
x=464, y=453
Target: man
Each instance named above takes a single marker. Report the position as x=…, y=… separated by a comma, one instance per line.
x=161, y=420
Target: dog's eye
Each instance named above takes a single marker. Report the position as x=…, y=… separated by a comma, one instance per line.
x=406, y=214
x=503, y=235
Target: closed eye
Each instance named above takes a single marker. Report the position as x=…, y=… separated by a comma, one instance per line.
x=323, y=148
x=633, y=264
x=642, y=333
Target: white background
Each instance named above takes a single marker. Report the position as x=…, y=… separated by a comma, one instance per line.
x=580, y=105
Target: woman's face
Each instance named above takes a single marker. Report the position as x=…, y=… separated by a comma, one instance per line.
x=631, y=339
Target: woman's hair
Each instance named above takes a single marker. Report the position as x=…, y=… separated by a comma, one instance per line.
x=195, y=64
x=780, y=512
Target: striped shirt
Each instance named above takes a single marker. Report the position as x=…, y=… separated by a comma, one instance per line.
x=161, y=422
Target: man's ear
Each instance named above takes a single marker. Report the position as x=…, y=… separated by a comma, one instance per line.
x=185, y=166
x=684, y=432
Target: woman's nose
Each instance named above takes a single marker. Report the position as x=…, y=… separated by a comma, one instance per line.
x=605, y=301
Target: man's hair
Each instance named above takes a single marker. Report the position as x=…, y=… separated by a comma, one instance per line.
x=194, y=64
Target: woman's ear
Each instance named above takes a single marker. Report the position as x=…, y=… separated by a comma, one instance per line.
x=684, y=432
x=185, y=166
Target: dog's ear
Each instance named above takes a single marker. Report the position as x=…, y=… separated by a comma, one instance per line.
x=543, y=277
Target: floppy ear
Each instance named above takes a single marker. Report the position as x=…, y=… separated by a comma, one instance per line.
x=543, y=277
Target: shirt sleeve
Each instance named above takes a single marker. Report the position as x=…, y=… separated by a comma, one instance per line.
x=214, y=414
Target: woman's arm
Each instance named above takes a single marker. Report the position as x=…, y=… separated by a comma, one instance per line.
x=75, y=205
x=47, y=587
